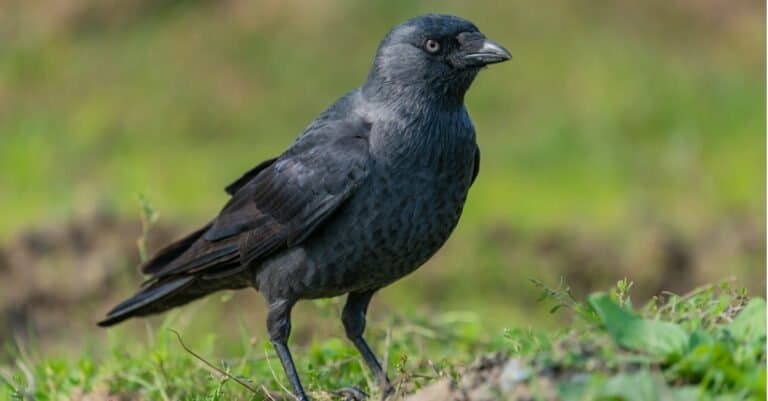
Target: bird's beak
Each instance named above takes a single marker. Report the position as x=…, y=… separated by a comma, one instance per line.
x=489, y=53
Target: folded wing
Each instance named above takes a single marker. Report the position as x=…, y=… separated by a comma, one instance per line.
x=276, y=205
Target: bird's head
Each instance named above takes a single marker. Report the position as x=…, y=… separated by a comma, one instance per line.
x=433, y=54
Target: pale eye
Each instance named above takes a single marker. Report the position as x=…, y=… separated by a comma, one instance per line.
x=432, y=46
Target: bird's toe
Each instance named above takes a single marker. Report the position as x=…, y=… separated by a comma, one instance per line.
x=351, y=394
x=387, y=390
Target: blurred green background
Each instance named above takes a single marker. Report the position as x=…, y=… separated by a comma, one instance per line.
x=624, y=139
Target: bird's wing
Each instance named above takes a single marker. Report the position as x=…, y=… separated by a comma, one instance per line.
x=284, y=202
x=248, y=176
x=476, y=169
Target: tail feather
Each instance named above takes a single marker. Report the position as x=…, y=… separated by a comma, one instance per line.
x=144, y=302
x=188, y=269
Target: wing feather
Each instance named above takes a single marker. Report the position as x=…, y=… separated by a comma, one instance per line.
x=476, y=169
x=281, y=202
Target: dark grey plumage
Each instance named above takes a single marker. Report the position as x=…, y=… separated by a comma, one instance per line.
x=369, y=191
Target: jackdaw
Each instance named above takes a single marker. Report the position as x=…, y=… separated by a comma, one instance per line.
x=367, y=193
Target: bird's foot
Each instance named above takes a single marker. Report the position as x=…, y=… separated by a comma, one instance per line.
x=387, y=390
x=351, y=394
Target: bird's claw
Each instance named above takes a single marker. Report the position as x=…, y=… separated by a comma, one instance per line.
x=351, y=394
x=387, y=391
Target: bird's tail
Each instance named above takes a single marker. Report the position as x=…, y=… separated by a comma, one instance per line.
x=154, y=298
x=165, y=290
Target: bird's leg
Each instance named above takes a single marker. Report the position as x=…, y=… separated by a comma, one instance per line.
x=353, y=318
x=279, y=327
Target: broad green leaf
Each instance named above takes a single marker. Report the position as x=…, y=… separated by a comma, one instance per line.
x=706, y=359
x=699, y=337
x=639, y=386
x=749, y=324
x=687, y=393
x=654, y=337
x=573, y=390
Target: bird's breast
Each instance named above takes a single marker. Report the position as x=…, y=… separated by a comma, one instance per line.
x=395, y=221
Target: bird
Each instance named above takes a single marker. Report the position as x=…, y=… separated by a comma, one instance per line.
x=366, y=194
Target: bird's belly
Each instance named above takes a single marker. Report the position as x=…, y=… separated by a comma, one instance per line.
x=388, y=231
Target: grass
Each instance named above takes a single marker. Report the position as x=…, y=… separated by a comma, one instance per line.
x=708, y=344
x=158, y=368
